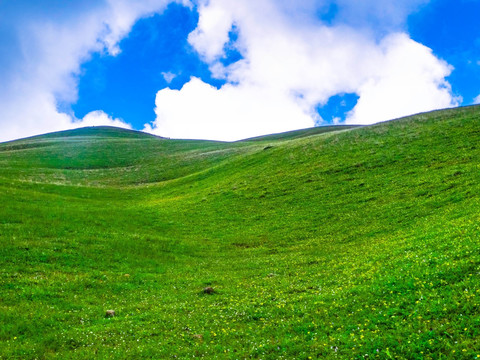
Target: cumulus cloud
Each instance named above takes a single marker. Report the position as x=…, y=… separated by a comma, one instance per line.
x=409, y=80
x=476, y=101
x=200, y=111
x=48, y=43
x=99, y=118
x=291, y=67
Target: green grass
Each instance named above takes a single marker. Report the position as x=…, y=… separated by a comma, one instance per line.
x=351, y=243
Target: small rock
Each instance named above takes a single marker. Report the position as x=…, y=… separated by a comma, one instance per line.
x=110, y=313
x=208, y=290
x=198, y=336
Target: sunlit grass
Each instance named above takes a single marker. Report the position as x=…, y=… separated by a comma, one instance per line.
x=351, y=244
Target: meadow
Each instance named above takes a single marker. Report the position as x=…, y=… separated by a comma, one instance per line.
x=325, y=243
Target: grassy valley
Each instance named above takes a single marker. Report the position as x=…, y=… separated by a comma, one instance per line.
x=331, y=243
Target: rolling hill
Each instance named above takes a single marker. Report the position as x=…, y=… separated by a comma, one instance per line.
x=333, y=243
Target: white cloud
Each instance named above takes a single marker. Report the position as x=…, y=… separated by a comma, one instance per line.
x=212, y=31
x=408, y=80
x=99, y=118
x=47, y=51
x=291, y=66
x=476, y=101
x=200, y=111
x=33, y=115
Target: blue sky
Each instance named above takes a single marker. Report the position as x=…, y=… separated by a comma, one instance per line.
x=452, y=30
x=226, y=70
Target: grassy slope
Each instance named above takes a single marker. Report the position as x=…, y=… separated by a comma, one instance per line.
x=333, y=245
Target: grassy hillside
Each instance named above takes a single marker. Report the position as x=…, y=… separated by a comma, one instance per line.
x=348, y=244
